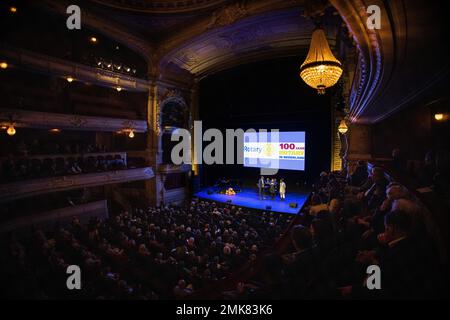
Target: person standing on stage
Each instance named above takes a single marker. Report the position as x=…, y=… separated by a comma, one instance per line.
x=282, y=189
x=261, y=184
x=272, y=188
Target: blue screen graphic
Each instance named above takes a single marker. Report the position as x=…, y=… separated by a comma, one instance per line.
x=275, y=150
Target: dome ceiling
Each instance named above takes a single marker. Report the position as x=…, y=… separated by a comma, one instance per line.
x=163, y=6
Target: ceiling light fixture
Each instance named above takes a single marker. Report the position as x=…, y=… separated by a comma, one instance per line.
x=321, y=69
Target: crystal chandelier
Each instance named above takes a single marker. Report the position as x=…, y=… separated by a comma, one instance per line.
x=321, y=69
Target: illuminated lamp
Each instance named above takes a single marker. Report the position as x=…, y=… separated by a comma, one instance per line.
x=11, y=130
x=321, y=69
x=343, y=128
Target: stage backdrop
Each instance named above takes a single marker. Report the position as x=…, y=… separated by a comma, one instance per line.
x=268, y=95
x=274, y=150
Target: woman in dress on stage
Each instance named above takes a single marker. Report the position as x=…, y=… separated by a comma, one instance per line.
x=272, y=189
x=282, y=189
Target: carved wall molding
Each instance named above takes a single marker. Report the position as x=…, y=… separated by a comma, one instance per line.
x=62, y=68
x=58, y=67
x=104, y=26
x=223, y=18
x=386, y=56
x=227, y=15
x=65, y=215
x=23, y=189
x=370, y=57
x=35, y=119
x=65, y=156
x=171, y=93
x=256, y=37
x=170, y=168
x=160, y=6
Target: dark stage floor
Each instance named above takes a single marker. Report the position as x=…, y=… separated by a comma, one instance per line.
x=249, y=198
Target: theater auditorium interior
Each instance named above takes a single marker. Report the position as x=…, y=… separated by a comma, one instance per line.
x=95, y=97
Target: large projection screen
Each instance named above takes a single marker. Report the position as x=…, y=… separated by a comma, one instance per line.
x=275, y=150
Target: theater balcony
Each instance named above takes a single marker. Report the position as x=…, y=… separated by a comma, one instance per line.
x=16, y=190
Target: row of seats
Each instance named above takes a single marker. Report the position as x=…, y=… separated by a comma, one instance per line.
x=29, y=168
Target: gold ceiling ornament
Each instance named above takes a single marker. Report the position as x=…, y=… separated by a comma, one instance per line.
x=321, y=69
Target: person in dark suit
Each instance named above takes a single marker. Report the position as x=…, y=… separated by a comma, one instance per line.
x=260, y=185
x=359, y=176
x=402, y=264
x=301, y=270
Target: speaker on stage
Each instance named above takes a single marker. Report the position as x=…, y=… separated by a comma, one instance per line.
x=293, y=205
x=209, y=192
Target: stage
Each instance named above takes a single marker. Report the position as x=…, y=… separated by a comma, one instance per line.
x=249, y=198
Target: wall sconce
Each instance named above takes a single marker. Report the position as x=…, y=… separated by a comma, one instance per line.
x=343, y=128
x=11, y=130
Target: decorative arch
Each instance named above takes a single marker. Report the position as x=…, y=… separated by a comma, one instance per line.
x=174, y=111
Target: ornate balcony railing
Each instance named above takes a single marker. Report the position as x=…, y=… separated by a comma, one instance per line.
x=23, y=189
x=35, y=119
x=59, y=67
x=64, y=215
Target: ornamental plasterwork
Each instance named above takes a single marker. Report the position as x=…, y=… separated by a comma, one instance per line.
x=228, y=15
x=78, y=122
